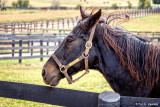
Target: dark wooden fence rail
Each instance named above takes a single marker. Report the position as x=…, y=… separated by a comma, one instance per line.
x=140, y=33
x=71, y=98
x=54, y=25
x=32, y=46
x=67, y=8
x=38, y=26
x=143, y=33
x=22, y=46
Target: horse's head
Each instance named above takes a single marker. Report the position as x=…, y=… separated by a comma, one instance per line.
x=75, y=53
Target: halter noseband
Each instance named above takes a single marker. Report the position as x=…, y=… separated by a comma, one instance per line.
x=85, y=55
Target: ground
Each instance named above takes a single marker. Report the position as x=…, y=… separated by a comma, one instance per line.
x=10, y=16
x=35, y=15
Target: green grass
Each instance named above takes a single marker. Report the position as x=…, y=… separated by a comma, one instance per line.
x=35, y=15
x=11, y=16
x=148, y=23
x=30, y=72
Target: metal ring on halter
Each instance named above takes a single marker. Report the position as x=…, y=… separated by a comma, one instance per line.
x=85, y=56
x=62, y=69
x=88, y=44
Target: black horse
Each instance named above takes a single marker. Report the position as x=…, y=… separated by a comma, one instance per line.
x=129, y=63
x=3, y=9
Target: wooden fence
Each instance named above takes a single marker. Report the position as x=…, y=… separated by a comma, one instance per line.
x=22, y=46
x=71, y=98
x=61, y=24
x=38, y=26
x=30, y=46
x=148, y=33
x=68, y=8
x=140, y=33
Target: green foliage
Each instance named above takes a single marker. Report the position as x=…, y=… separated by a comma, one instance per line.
x=148, y=4
x=14, y=4
x=0, y=3
x=20, y=3
x=129, y=4
x=141, y=4
x=78, y=5
x=156, y=1
x=144, y=4
x=114, y=6
x=23, y=3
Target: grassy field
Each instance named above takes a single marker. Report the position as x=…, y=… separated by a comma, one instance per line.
x=74, y=3
x=10, y=16
x=35, y=15
x=148, y=23
x=30, y=72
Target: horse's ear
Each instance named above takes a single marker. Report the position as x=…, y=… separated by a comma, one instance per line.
x=83, y=13
x=93, y=19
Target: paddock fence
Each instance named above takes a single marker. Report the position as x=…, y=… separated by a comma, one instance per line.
x=69, y=8
x=62, y=24
x=32, y=46
x=140, y=33
x=71, y=98
x=23, y=46
x=38, y=26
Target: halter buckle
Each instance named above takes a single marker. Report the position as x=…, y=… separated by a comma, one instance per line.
x=88, y=44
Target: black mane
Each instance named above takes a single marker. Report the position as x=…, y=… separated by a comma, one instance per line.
x=136, y=54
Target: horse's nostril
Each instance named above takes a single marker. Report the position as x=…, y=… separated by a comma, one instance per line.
x=43, y=72
x=45, y=78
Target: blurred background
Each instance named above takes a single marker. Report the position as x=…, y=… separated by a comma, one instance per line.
x=31, y=30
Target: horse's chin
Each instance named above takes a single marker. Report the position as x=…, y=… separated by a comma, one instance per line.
x=55, y=81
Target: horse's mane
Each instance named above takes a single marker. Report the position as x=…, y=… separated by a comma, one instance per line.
x=139, y=56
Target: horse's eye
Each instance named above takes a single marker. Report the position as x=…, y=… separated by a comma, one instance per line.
x=84, y=37
x=101, y=21
x=70, y=39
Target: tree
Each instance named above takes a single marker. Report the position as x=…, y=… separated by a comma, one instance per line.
x=143, y=4
x=148, y=4
x=0, y=3
x=129, y=4
x=20, y=3
x=114, y=6
x=14, y=4
x=156, y=1
x=25, y=3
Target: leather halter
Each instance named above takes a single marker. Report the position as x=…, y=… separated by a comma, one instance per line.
x=85, y=55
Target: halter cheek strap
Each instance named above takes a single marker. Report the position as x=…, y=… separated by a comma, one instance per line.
x=85, y=55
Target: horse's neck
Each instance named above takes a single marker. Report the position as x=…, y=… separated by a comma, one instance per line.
x=110, y=66
x=108, y=60
x=106, y=57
